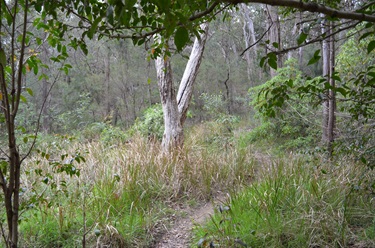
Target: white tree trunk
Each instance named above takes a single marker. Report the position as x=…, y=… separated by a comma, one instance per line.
x=173, y=132
x=329, y=104
x=249, y=36
x=185, y=90
x=326, y=70
x=175, y=107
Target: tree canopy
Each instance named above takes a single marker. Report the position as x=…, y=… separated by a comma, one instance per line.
x=140, y=20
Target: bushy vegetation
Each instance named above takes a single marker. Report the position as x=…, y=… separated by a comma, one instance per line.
x=119, y=194
x=294, y=203
x=151, y=123
x=285, y=117
x=81, y=162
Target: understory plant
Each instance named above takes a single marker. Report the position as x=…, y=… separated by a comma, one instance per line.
x=296, y=204
x=124, y=193
x=285, y=110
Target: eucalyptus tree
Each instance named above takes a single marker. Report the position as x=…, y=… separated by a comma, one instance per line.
x=141, y=20
x=175, y=106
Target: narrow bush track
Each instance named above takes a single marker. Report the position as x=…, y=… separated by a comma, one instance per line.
x=179, y=235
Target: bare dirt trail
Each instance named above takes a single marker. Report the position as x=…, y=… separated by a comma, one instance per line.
x=179, y=234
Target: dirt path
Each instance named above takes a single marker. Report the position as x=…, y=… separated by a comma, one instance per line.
x=178, y=236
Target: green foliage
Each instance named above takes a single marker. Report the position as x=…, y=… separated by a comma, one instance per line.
x=77, y=116
x=111, y=134
x=134, y=20
x=271, y=59
x=358, y=77
x=219, y=133
x=265, y=131
x=220, y=129
x=214, y=104
x=291, y=205
x=285, y=107
x=105, y=133
x=151, y=124
x=355, y=67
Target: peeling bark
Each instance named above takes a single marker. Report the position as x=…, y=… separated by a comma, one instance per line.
x=329, y=103
x=185, y=90
x=173, y=133
x=175, y=106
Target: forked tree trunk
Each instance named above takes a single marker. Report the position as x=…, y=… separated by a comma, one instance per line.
x=175, y=106
x=10, y=100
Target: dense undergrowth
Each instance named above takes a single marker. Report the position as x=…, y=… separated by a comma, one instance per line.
x=106, y=188
x=295, y=202
x=118, y=193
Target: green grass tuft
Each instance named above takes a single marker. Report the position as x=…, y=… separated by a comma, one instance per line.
x=294, y=205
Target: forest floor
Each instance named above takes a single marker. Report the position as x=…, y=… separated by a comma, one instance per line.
x=179, y=234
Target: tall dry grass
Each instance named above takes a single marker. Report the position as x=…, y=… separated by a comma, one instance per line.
x=125, y=191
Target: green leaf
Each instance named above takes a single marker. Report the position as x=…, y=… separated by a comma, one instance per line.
x=181, y=38
x=370, y=46
x=272, y=60
x=365, y=35
x=336, y=77
x=23, y=99
x=272, y=63
x=92, y=30
x=262, y=60
x=315, y=58
x=3, y=166
x=45, y=180
x=363, y=160
x=342, y=91
x=301, y=38
x=31, y=93
x=110, y=15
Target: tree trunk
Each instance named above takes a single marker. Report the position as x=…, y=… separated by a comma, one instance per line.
x=44, y=105
x=185, y=90
x=249, y=36
x=11, y=96
x=332, y=96
x=325, y=106
x=329, y=103
x=175, y=107
x=107, y=63
x=173, y=133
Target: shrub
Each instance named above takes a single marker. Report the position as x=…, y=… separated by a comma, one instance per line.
x=285, y=114
x=151, y=124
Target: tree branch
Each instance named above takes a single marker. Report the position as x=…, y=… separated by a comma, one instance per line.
x=318, y=39
x=312, y=7
x=204, y=13
x=256, y=41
